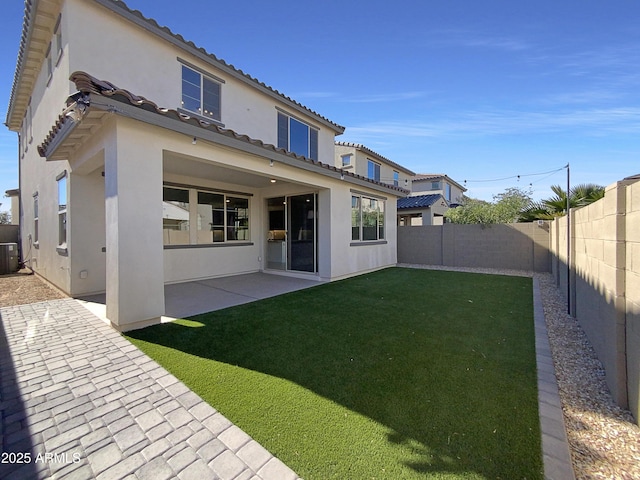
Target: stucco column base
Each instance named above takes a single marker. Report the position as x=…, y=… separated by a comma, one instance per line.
x=133, y=207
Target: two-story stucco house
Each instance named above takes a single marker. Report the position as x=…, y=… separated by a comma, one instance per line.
x=146, y=161
x=437, y=183
x=430, y=198
x=362, y=161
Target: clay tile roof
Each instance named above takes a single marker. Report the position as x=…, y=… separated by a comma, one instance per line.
x=87, y=84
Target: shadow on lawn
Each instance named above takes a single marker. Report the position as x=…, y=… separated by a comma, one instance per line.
x=457, y=390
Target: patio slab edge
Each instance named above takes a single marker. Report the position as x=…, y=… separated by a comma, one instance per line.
x=555, y=445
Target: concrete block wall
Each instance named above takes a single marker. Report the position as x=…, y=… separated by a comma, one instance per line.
x=604, y=283
x=632, y=300
x=522, y=246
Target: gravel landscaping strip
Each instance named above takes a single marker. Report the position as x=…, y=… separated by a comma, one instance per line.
x=25, y=287
x=603, y=438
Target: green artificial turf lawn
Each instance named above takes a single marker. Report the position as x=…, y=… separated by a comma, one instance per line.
x=398, y=374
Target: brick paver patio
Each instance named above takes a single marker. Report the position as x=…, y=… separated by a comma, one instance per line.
x=78, y=401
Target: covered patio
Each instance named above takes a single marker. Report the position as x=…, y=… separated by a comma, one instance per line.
x=201, y=296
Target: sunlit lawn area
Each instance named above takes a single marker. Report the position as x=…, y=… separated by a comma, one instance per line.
x=399, y=374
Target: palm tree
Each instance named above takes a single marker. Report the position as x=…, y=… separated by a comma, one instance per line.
x=556, y=206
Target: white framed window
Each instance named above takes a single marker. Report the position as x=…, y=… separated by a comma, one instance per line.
x=435, y=185
x=447, y=192
x=396, y=178
x=297, y=137
x=200, y=93
x=373, y=170
x=346, y=160
x=367, y=218
x=62, y=209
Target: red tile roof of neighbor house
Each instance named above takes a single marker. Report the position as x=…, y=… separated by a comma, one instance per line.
x=87, y=85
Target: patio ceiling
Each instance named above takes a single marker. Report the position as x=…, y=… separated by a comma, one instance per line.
x=198, y=168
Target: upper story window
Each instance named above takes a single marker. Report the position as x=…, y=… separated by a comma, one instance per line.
x=373, y=170
x=346, y=160
x=396, y=178
x=435, y=185
x=297, y=137
x=447, y=192
x=200, y=94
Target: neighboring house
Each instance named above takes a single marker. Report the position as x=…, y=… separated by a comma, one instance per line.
x=217, y=175
x=14, y=195
x=360, y=160
x=429, y=184
x=422, y=210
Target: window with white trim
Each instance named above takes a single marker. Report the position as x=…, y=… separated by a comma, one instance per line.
x=346, y=160
x=367, y=218
x=297, y=137
x=200, y=94
x=396, y=178
x=62, y=210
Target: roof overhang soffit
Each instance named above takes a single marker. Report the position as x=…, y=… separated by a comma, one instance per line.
x=40, y=17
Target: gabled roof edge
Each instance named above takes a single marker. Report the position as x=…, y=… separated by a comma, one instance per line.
x=365, y=149
x=135, y=16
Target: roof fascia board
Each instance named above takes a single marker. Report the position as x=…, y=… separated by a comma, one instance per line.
x=20, y=68
x=183, y=45
x=191, y=131
x=67, y=127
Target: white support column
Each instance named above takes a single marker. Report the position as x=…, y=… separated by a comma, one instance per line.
x=134, y=249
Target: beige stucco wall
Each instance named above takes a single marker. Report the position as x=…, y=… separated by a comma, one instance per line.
x=605, y=287
x=148, y=65
x=115, y=178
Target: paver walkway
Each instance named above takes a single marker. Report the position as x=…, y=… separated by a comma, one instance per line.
x=78, y=401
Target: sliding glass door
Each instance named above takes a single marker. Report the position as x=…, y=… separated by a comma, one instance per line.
x=292, y=238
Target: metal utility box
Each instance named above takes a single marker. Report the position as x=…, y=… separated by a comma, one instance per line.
x=8, y=258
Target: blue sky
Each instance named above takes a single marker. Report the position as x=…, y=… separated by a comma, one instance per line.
x=477, y=89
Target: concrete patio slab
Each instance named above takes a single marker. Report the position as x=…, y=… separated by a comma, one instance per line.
x=192, y=298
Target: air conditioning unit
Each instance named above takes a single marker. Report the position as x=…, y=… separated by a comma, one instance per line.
x=8, y=258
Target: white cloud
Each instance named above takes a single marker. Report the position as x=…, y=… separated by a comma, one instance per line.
x=505, y=122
